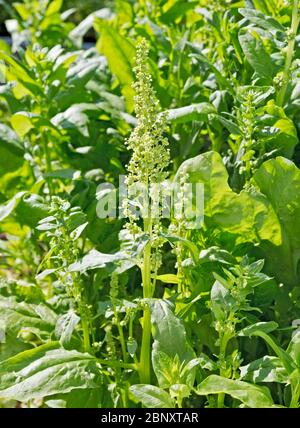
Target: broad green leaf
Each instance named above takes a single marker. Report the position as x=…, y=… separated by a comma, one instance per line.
x=93, y=260
x=75, y=117
x=265, y=369
x=21, y=123
x=120, y=54
x=216, y=254
x=256, y=54
x=232, y=127
x=18, y=316
x=65, y=327
x=262, y=329
x=22, y=74
x=166, y=326
x=279, y=180
x=152, y=396
x=31, y=209
x=166, y=369
x=262, y=20
x=248, y=214
x=8, y=207
x=250, y=395
x=221, y=301
x=168, y=354
x=47, y=370
x=79, y=399
x=168, y=278
x=197, y=53
x=10, y=141
x=294, y=348
x=54, y=7
x=176, y=11
x=189, y=113
x=254, y=329
x=11, y=150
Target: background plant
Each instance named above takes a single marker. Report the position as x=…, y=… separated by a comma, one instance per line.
x=111, y=313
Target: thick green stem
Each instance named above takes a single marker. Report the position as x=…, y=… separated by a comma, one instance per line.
x=48, y=161
x=122, y=339
x=295, y=396
x=144, y=366
x=289, y=54
x=224, y=339
x=86, y=332
x=85, y=324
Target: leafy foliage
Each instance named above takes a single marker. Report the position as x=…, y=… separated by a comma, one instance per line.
x=109, y=312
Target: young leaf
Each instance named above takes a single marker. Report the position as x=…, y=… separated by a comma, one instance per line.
x=256, y=54
x=189, y=113
x=45, y=371
x=152, y=396
x=254, y=329
x=65, y=327
x=262, y=20
x=265, y=369
x=119, y=53
x=250, y=395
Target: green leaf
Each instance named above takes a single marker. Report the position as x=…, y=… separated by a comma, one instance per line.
x=198, y=112
x=216, y=254
x=11, y=150
x=65, y=327
x=152, y=396
x=94, y=260
x=248, y=214
x=197, y=53
x=256, y=54
x=54, y=7
x=22, y=74
x=271, y=178
x=221, y=301
x=262, y=20
x=294, y=348
x=18, y=316
x=177, y=10
x=45, y=371
x=265, y=369
x=8, y=207
x=262, y=329
x=79, y=399
x=120, y=55
x=232, y=127
x=250, y=395
x=31, y=209
x=166, y=326
x=168, y=278
x=75, y=117
x=254, y=329
x=165, y=369
x=21, y=124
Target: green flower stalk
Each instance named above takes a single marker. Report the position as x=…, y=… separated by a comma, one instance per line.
x=290, y=50
x=150, y=155
x=147, y=166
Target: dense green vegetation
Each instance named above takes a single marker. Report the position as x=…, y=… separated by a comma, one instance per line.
x=111, y=312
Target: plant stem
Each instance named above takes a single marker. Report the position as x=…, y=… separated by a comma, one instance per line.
x=85, y=325
x=144, y=366
x=121, y=338
x=86, y=331
x=289, y=54
x=224, y=338
x=295, y=396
